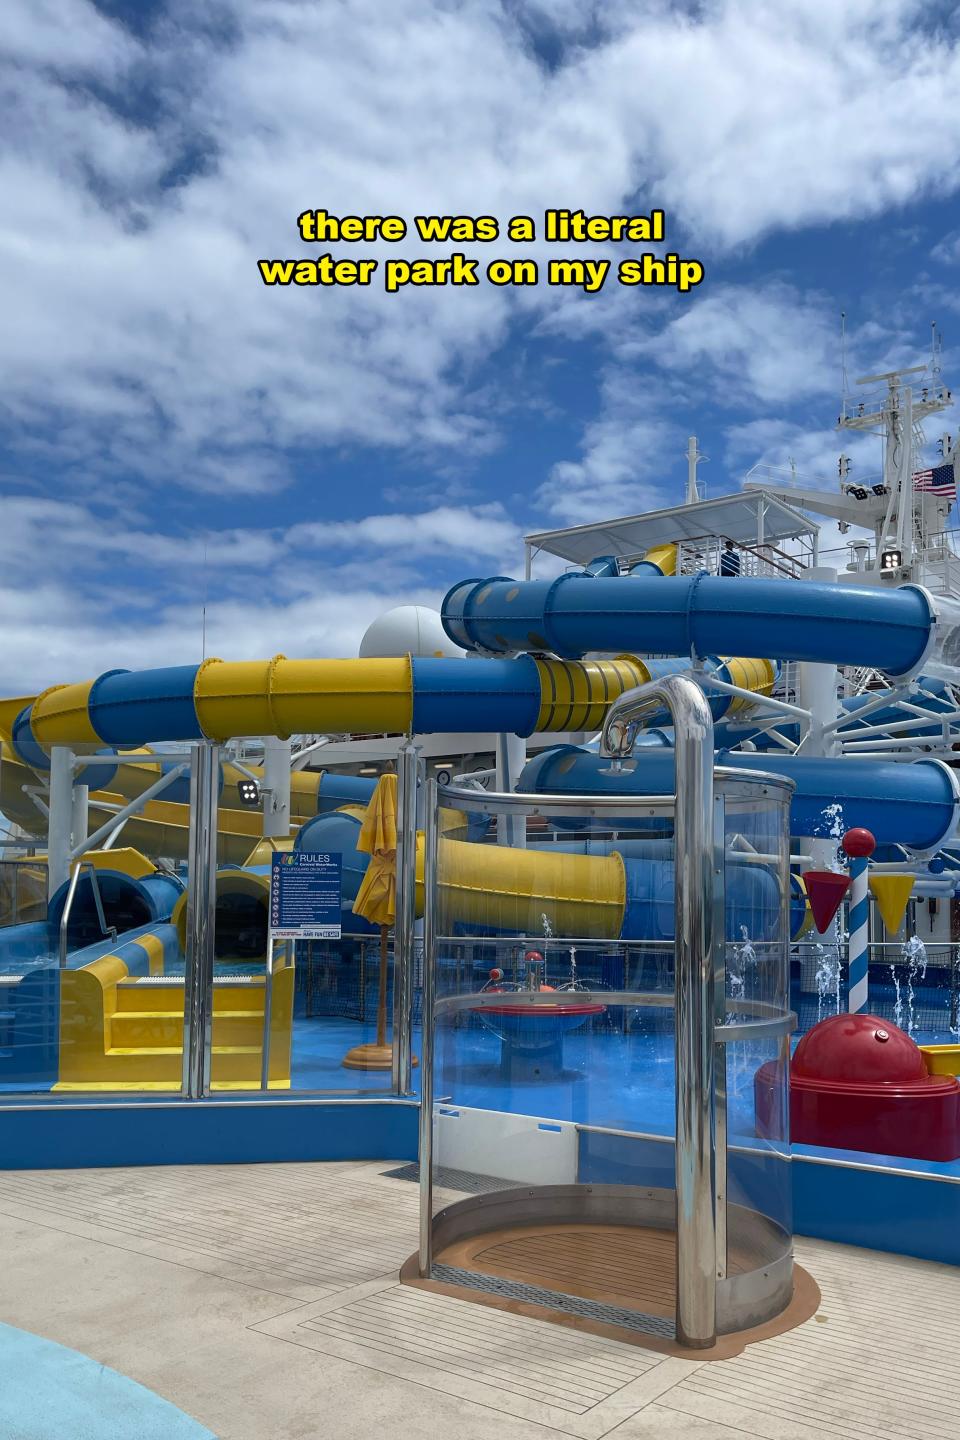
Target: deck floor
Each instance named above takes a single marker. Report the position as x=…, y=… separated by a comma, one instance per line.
x=263, y=1301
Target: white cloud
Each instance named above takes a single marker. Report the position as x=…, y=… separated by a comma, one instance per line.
x=70, y=534
x=52, y=635
x=763, y=345
x=814, y=453
x=140, y=354
x=67, y=35
x=947, y=250
x=132, y=299
x=449, y=529
x=82, y=590
x=625, y=454
x=755, y=115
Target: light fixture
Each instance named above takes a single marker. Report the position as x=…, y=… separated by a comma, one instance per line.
x=880, y=490
x=248, y=792
x=891, y=559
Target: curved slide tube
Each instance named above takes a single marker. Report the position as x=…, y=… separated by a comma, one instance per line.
x=218, y=700
x=609, y=891
x=888, y=630
x=915, y=804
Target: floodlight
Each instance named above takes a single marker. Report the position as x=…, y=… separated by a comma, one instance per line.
x=249, y=793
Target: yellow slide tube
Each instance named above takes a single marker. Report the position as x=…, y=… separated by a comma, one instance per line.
x=245, y=883
x=284, y=697
x=576, y=694
x=755, y=675
x=493, y=885
x=65, y=717
x=664, y=557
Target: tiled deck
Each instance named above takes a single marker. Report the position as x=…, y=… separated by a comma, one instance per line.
x=263, y=1301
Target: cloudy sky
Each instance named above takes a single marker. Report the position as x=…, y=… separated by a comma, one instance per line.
x=177, y=437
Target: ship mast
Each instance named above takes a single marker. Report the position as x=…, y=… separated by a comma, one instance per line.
x=898, y=417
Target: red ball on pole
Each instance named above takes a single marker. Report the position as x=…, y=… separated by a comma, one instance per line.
x=859, y=843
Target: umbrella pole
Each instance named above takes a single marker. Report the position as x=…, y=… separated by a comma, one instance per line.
x=382, y=995
x=379, y=1055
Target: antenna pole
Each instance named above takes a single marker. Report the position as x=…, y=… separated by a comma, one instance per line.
x=693, y=460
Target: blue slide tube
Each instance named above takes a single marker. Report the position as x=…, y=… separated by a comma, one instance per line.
x=888, y=630
x=335, y=790
x=914, y=804
x=475, y=694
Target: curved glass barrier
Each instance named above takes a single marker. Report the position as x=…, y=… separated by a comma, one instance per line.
x=550, y=1051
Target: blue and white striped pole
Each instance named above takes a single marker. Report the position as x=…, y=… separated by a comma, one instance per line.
x=858, y=845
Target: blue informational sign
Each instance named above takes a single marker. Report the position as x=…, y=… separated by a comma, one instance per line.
x=305, y=897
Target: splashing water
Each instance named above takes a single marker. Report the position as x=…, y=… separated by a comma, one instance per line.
x=743, y=955
x=898, y=998
x=547, y=928
x=828, y=974
x=832, y=825
x=915, y=958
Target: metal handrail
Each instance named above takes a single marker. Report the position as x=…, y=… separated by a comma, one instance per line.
x=109, y=931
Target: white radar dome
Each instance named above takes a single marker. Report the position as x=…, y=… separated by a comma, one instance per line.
x=407, y=630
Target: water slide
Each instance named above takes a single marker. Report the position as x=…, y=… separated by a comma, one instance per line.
x=896, y=631
x=218, y=699
x=615, y=894
x=161, y=827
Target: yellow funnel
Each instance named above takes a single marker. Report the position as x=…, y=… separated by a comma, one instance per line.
x=891, y=893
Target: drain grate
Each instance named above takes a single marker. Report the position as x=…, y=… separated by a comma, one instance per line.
x=463, y=1180
x=553, y=1300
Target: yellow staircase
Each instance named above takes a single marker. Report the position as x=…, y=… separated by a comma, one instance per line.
x=124, y=1032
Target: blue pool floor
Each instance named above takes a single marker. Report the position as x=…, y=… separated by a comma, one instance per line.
x=48, y=1392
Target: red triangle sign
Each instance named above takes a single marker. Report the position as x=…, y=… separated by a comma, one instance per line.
x=825, y=891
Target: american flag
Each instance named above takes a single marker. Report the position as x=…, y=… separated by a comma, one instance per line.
x=939, y=481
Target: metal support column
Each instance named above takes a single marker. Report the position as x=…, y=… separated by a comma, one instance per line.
x=404, y=933
x=511, y=756
x=276, y=787
x=696, y=1317
x=721, y=1096
x=60, y=822
x=426, y=1069
x=79, y=819
x=201, y=911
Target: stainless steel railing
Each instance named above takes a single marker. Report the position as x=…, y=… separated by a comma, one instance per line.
x=108, y=931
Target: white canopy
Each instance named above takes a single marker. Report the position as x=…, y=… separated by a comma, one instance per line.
x=747, y=518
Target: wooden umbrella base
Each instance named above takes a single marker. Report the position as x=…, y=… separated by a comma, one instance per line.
x=371, y=1057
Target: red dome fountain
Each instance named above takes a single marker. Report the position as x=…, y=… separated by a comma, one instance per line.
x=860, y=1083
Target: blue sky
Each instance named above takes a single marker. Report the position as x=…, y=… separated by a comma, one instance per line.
x=176, y=436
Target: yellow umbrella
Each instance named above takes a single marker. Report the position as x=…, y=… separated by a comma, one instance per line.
x=377, y=897
x=377, y=902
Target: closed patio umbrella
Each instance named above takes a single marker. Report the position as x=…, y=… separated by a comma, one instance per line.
x=377, y=902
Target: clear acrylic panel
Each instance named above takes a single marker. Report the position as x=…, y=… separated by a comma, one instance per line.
x=753, y=1063
x=553, y=1045
x=96, y=1003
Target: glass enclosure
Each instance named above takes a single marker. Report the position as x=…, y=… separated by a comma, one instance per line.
x=135, y=944
x=550, y=1037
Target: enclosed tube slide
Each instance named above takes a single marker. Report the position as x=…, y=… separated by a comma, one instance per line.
x=219, y=699
x=888, y=630
x=128, y=904
x=917, y=804
x=606, y=891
